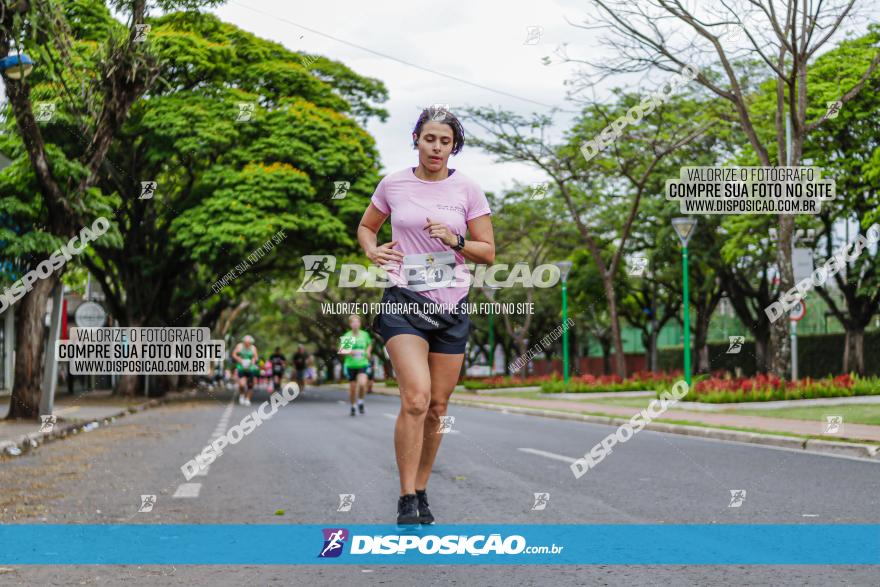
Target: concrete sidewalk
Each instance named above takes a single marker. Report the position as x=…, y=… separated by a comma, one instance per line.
x=74, y=413
x=768, y=431
x=801, y=427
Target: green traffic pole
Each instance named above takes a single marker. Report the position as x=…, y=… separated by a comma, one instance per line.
x=491, y=343
x=564, y=334
x=687, y=318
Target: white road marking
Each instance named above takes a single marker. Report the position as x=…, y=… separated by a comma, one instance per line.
x=188, y=490
x=549, y=455
x=193, y=489
x=809, y=515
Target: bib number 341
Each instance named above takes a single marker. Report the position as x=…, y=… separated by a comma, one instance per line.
x=429, y=271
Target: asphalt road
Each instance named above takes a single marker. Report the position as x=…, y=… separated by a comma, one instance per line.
x=488, y=470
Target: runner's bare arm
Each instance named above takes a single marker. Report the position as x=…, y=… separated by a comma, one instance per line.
x=481, y=249
x=367, y=232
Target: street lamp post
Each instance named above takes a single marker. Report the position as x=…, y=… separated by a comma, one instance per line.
x=489, y=291
x=564, y=268
x=684, y=228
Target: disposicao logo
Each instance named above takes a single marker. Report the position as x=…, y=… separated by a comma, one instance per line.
x=334, y=540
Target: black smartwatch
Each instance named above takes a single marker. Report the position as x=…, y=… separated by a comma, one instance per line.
x=460, y=244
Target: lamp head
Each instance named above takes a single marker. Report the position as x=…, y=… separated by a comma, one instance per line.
x=564, y=268
x=684, y=228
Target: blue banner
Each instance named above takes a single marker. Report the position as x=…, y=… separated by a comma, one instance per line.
x=278, y=544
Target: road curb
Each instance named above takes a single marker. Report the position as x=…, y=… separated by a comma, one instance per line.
x=27, y=442
x=868, y=451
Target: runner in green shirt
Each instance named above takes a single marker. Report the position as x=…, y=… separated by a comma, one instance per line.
x=245, y=356
x=356, y=346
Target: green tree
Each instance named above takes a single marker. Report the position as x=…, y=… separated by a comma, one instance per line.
x=111, y=71
x=243, y=141
x=782, y=38
x=848, y=149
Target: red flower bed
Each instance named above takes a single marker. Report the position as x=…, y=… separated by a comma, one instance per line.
x=770, y=388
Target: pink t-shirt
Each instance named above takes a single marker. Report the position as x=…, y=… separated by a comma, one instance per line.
x=411, y=201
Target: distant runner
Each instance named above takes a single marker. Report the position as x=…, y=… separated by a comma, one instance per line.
x=278, y=363
x=357, y=346
x=245, y=356
x=300, y=365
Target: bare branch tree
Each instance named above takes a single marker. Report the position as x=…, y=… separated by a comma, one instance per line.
x=648, y=35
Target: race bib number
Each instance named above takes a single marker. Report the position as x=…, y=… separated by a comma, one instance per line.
x=245, y=362
x=357, y=353
x=429, y=271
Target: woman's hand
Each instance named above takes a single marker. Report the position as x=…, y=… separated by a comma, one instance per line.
x=441, y=231
x=384, y=254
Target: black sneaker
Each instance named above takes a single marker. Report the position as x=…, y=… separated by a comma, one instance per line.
x=353, y=412
x=408, y=509
x=425, y=515
x=361, y=408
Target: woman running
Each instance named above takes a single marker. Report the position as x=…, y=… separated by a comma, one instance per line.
x=245, y=356
x=431, y=207
x=356, y=346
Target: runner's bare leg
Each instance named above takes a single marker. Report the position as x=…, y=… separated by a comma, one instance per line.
x=409, y=356
x=445, y=370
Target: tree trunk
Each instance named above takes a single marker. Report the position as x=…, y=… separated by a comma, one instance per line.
x=647, y=338
x=619, y=361
x=780, y=362
x=605, y=343
x=703, y=365
x=854, y=351
x=762, y=350
x=126, y=385
x=29, y=339
x=701, y=334
x=130, y=385
x=519, y=344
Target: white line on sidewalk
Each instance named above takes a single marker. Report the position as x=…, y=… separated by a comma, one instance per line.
x=549, y=455
x=188, y=490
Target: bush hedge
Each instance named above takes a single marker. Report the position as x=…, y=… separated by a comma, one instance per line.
x=640, y=381
x=500, y=381
x=764, y=388
x=819, y=355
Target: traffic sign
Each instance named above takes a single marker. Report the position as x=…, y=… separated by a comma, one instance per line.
x=798, y=312
x=90, y=314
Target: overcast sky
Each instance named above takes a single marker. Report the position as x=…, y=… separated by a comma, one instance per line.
x=481, y=42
